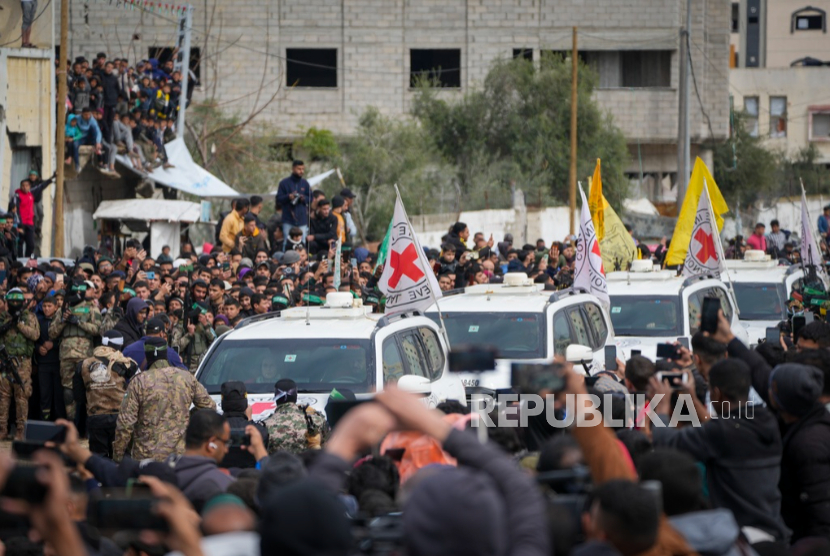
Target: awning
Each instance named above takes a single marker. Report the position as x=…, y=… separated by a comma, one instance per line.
x=149, y=210
x=186, y=175
x=312, y=181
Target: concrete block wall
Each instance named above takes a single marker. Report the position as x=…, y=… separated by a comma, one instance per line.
x=248, y=39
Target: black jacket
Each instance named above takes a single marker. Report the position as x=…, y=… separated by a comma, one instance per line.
x=128, y=325
x=235, y=457
x=742, y=454
x=51, y=359
x=110, y=83
x=805, y=475
x=323, y=229
x=805, y=465
x=458, y=243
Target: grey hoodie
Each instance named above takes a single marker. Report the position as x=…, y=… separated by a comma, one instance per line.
x=711, y=533
x=199, y=478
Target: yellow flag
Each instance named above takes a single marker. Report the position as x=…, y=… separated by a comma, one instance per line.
x=617, y=247
x=596, y=203
x=686, y=221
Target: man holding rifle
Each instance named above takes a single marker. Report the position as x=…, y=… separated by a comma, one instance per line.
x=18, y=329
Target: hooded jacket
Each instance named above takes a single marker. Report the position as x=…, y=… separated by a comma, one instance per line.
x=88, y=127
x=711, y=533
x=199, y=478
x=129, y=325
x=805, y=465
x=742, y=455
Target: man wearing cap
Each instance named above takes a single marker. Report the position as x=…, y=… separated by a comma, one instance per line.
x=156, y=406
x=351, y=229
x=294, y=198
x=288, y=430
x=250, y=239
x=104, y=378
x=18, y=331
x=77, y=327
x=236, y=410
x=155, y=328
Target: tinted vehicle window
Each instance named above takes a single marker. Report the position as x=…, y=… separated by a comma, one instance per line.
x=514, y=335
x=761, y=301
x=435, y=355
x=413, y=354
x=392, y=361
x=597, y=322
x=645, y=315
x=561, y=333
x=580, y=327
x=317, y=365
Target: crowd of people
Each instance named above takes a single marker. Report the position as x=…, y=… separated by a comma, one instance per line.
x=394, y=477
x=115, y=107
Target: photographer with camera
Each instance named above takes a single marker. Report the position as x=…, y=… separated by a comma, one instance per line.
x=294, y=199
x=236, y=410
x=19, y=329
x=77, y=328
x=104, y=377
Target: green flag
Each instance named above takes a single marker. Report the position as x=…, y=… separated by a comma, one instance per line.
x=384, y=247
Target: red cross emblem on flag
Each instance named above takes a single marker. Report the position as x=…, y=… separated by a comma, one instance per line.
x=595, y=251
x=707, y=246
x=404, y=263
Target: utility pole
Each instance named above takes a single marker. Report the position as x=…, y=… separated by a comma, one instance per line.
x=683, y=148
x=182, y=63
x=57, y=248
x=572, y=190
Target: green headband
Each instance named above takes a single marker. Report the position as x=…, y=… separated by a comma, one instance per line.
x=15, y=297
x=312, y=299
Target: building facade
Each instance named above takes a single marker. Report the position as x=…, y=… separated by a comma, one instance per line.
x=27, y=108
x=333, y=58
x=780, y=72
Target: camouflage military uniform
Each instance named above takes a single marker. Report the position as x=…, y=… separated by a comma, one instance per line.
x=76, y=344
x=105, y=376
x=175, y=339
x=109, y=321
x=202, y=338
x=288, y=431
x=155, y=412
x=20, y=344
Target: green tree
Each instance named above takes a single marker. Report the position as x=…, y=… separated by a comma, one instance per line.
x=320, y=144
x=804, y=166
x=515, y=131
x=385, y=152
x=746, y=171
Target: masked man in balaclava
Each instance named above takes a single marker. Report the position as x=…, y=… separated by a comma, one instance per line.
x=76, y=327
x=18, y=331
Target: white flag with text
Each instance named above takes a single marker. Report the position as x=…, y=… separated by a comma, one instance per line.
x=705, y=254
x=589, y=273
x=407, y=280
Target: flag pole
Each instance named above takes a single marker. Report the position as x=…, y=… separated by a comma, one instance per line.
x=719, y=245
x=429, y=269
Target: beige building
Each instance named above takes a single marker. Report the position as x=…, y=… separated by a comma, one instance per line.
x=780, y=75
x=27, y=109
x=334, y=58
